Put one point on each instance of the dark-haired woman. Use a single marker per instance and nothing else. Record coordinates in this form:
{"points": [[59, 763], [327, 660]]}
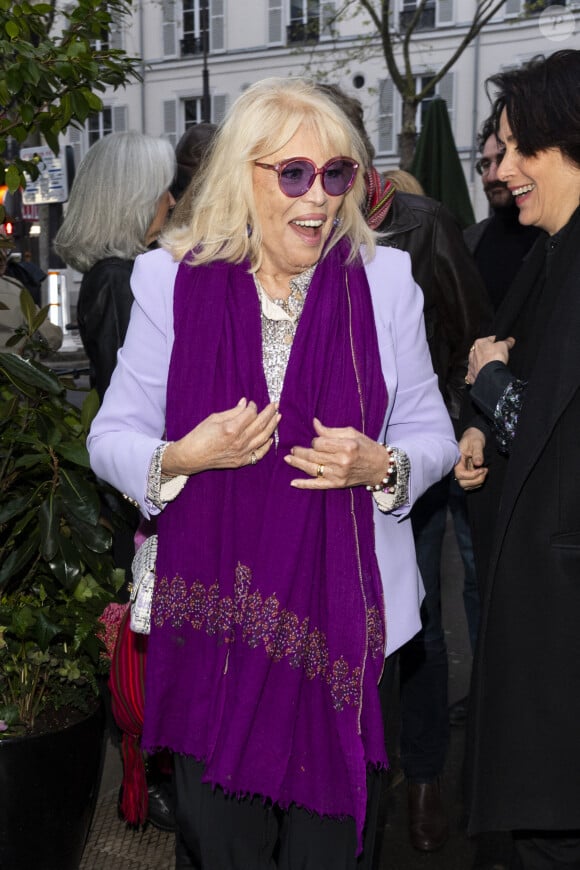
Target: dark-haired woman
{"points": [[520, 454]]}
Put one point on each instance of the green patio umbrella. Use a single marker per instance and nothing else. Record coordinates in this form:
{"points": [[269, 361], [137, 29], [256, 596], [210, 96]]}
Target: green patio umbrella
{"points": [[437, 166]]}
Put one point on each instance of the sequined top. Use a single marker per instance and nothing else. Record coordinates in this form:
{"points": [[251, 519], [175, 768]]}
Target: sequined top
{"points": [[280, 318]]}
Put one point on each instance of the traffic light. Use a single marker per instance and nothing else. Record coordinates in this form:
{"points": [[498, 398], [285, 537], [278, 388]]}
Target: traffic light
{"points": [[8, 228]]}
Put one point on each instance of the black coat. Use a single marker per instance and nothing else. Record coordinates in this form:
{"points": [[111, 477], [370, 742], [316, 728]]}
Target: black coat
{"points": [[523, 740], [456, 301], [103, 312]]}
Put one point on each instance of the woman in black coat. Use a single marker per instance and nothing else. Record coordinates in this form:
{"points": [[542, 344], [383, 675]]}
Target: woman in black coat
{"points": [[521, 455]]}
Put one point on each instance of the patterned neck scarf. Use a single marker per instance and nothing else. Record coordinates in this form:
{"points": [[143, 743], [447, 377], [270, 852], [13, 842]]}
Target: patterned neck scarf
{"points": [[379, 198]]}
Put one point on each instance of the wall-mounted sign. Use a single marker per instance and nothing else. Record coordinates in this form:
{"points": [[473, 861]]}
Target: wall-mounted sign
{"points": [[52, 183]]}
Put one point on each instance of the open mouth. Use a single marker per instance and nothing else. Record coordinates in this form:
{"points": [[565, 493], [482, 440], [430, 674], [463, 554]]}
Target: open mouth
{"points": [[520, 191], [310, 228]]}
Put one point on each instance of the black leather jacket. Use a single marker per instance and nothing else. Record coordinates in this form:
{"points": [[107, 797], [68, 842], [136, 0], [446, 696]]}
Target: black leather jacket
{"points": [[103, 312], [456, 302]]}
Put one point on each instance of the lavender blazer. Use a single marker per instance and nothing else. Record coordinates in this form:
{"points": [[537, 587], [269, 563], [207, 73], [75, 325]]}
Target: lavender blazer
{"points": [[131, 421]]}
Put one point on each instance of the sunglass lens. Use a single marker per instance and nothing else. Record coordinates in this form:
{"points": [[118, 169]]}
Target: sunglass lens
{"points": [[339, 176], [296, 177]]}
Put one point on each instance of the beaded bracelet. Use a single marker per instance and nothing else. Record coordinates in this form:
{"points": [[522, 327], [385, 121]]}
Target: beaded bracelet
{"points": [[389, 481]]}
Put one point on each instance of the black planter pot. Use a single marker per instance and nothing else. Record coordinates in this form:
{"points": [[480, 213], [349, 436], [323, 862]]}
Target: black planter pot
{"points": [[48, 790]]}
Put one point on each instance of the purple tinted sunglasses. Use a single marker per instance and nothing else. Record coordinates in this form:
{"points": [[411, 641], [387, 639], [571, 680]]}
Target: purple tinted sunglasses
{"points": [[297, 174]]}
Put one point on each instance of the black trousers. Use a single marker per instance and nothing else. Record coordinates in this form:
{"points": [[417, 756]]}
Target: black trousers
{"points": [[546, 850], [221, 832]]}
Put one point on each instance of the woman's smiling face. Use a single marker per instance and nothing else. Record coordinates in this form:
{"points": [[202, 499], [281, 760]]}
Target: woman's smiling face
{"points": [[294, 230], [545, 187]]}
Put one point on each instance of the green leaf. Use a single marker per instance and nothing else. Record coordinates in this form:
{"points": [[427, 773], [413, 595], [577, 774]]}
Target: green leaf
{"points": [[26, 301], [89, 409], [48, 521], [12, 29], [12, 178], [79, 497], [25, 374], [19, 558], [46, 630], [66, 565], [96, 538], [74, 452], [14, 507]]}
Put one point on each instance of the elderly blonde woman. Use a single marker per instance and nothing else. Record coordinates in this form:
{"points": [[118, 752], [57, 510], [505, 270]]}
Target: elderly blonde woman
{"points": [[274, 403]]}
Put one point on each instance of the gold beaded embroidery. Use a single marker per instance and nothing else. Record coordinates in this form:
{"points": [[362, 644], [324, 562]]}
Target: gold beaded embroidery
{"points": [[257, 621]]}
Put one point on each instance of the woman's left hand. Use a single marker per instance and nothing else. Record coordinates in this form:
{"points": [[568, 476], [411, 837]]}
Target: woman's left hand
{"points": [[484, 351], [338, 458]]}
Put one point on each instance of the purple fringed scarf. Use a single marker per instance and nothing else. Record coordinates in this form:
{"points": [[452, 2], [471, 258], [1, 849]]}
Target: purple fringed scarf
{"points": [[267, 640]]}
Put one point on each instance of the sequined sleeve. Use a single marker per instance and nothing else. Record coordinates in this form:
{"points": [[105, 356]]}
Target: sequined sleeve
{"points": [[507, 413], [390, 501], [499, 395], [161, 488]]}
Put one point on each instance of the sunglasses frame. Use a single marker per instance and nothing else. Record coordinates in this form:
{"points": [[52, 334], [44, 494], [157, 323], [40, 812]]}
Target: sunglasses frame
{"points": [[279, 168]]}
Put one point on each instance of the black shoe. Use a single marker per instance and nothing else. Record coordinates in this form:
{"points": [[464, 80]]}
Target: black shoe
{"points": [[458, 711], [160, 812], [428, 826]]}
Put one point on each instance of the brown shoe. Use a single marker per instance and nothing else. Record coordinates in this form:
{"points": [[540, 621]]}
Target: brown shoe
{"points": [[428, 827]]}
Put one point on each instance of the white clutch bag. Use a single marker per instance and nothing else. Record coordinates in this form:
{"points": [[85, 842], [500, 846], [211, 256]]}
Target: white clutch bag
{"points": [[143, 570]]}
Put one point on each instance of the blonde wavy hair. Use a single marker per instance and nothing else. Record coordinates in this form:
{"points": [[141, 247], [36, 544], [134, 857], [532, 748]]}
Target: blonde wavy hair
{"points": [[223, 222]]}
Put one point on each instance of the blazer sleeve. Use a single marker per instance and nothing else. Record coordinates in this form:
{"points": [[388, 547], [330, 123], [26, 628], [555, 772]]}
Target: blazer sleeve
{"points": [[417, 420], [131, 421]]}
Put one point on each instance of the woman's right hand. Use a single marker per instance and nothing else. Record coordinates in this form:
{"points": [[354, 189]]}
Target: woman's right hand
{"points": [[229, 439], [470, 471]]}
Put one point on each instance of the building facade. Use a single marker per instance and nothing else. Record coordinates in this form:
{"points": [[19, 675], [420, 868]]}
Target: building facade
{"points": [[199, 55]]}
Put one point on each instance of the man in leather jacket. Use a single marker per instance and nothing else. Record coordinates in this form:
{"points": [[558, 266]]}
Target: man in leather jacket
{"points": [[456, 305]]}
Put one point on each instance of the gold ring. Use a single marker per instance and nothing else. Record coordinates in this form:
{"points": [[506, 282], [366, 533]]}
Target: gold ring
{"points": [[320, 471], [253, 457], [466, 379], [472, 348]]}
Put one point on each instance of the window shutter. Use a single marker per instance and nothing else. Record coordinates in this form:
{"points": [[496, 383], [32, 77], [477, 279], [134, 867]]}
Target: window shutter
{"points": [[75, 138], [218, 108], [445, 12], [275, 22], [170, 121], [116, 33], [169, 29], [217, 28], [446, 90], [119, 119], [327, 15], [512, 7], [386, 116]]}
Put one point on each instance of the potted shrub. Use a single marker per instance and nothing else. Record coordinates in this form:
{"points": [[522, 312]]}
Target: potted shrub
{"points": [[56, 578]]}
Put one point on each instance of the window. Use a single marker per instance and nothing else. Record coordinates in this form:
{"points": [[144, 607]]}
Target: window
{"points": [[112, 119], [310, 20], [200, 24], [195, 26], [444, 89], [426, 18], [387, 116], [179, 115], [111, 37]]}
